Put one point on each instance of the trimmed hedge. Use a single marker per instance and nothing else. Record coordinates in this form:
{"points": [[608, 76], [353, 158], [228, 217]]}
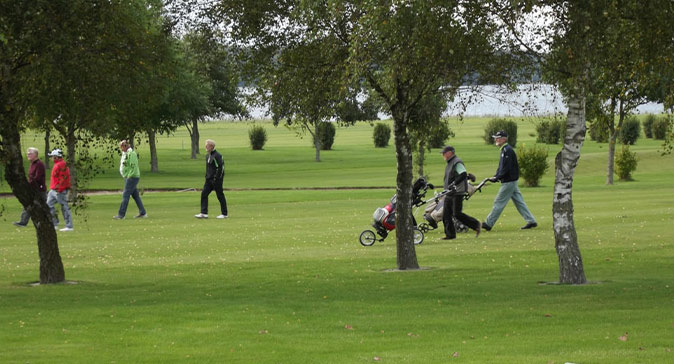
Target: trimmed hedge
{"points": [[533, 163], [630, 130], [551, 132], [625, 163], [326, 135], [381, 135], [495, 125], [258, 137]]}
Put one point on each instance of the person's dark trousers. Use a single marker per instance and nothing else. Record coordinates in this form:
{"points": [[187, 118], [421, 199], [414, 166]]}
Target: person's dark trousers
{"points": [[209, 186], [454, 207]]}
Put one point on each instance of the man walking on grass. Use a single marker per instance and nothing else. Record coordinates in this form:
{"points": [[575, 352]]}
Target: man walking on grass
{"points": [[36, 179], [215, 173], [456, 178], [508, 173], [59, 184], [128, 168]]}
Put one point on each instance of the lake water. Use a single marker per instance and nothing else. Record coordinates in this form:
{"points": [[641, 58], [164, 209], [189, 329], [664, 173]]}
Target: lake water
{"points": [[492, 101]]}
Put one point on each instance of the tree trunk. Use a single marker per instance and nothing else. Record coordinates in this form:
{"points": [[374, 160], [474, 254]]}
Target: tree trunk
{"points": [[613, 137], [51, 266], [317, 142], [194, 138], [566, 240], [71, 147], [406, 254], [47, 148], [152, 137], [422, 158]]}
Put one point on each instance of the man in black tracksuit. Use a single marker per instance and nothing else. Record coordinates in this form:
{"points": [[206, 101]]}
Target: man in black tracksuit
{"points": [[215, 172], [456, 178]]}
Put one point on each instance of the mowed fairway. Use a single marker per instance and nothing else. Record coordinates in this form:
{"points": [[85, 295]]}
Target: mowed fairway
{"points": [[284, 279]]}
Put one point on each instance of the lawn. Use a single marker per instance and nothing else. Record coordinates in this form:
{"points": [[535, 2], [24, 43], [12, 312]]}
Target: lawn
{"points": [[284, 279]]}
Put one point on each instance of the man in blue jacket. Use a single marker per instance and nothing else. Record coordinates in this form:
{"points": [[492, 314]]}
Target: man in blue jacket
{"points": [[215, 173], [508, 173]]}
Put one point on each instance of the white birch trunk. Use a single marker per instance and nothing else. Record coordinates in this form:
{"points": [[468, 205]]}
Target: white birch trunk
{"points": [[566, 240]]}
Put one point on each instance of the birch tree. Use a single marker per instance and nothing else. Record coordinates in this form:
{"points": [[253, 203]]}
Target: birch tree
{"points": [[403, 50]]}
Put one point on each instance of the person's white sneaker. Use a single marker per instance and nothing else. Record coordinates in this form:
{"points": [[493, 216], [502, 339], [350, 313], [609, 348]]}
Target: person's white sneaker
{"points": [[201, 216], [66, 229], [222, 216]]}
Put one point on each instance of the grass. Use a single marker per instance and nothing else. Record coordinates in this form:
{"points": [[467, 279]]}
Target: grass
{"points": [[284, 280]]}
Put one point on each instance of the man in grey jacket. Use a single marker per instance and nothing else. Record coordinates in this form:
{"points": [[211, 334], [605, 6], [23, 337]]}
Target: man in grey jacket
{"points": [[456, 178]]}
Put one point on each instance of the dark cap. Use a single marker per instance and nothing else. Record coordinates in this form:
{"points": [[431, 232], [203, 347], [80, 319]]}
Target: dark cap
{"points": [[500, 134], [448, 148]]}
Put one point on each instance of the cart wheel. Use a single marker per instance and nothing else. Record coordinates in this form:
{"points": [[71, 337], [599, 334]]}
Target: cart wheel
{"points": [[418, 236], [424, 227], [367, 237]]}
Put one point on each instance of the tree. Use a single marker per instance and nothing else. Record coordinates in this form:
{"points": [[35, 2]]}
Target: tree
{"points": [[70, 64], [402, 50], [428, 127], [213, 77]]}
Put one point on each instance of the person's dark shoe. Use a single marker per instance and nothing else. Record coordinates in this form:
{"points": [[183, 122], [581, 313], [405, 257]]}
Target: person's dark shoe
{"points": [[486, 227], [431, 222], [18, 224], [478, 231], [529, 226], [448, 238]]}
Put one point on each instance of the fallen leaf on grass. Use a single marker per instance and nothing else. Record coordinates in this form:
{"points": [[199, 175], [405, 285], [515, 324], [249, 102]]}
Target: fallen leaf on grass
{"points": [[623, 338], [263, 332], [348, 327], [455, 354], [376, 358], [548, 315]]}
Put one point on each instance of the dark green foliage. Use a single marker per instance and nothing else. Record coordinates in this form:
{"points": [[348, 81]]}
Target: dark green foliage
{"points": [[551, 132], [495, 125], [660, 127], [381, 135], [440, 132], [625, 163], [630, 130], [648, 125], [533, 164], [258, 137], [351, 110], [599, 130], [326, 135]]}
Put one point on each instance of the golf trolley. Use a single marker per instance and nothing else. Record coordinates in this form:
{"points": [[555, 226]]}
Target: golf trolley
{"points": [[385, 217], [433, 213]]}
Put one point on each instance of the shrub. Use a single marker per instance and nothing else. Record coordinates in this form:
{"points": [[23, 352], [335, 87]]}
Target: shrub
{"points": [[630, 130], [660, 127], [439, 134], [495, 125], [599, 130], [381, 135], [533, 163], [648, 125], [625, 163], [551, 132], [258, 137], [326, 135]]}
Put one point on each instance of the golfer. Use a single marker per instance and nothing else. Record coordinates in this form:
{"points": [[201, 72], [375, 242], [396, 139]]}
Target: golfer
{"points": [[508, 173]]}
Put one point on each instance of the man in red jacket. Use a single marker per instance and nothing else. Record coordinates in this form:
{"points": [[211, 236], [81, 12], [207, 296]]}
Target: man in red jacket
{"points": [[36, 176], [59, 185]]}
